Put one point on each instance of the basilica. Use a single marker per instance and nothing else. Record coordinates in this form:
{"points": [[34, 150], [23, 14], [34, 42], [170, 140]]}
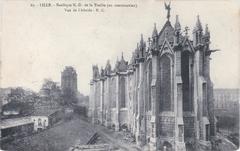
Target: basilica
{"points": [[164, 95]]}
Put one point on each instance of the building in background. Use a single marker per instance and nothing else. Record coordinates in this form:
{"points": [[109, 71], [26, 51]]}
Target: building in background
{"points": [[69, 86], [164, 96], [227, 113], [226, 100], [69, 80]]}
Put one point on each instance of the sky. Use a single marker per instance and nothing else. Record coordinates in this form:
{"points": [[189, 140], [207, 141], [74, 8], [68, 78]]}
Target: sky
{"points": [[37, 43]]}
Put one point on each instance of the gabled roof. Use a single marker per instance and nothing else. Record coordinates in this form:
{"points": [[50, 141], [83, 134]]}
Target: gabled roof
{"points": [[167, 32], [187, 44], [164, 46]]}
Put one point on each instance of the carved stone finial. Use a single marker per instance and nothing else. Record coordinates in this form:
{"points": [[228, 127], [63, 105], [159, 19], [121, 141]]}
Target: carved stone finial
{"points": [[207, 30], [177, 24], [154, 33], [149, 41], [186, 30], [198, 24]]}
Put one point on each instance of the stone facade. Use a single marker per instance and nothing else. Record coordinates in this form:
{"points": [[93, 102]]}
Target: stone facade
{"points": [[69, 80], [164, 96]]}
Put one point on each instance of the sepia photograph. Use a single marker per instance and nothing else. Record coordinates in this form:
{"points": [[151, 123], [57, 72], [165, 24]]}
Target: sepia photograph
{"points": [[119, 75]]}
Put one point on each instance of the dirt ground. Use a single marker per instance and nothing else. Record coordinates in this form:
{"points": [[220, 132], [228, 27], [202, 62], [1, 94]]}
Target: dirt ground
{"points": [[58, 138], [76, 131]]}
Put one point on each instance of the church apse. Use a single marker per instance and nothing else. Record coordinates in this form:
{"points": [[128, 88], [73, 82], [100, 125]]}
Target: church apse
{"points": [[163, 96]]}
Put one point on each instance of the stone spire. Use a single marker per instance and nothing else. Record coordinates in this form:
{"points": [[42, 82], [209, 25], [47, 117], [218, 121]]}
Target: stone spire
{"points": [[108, 68], [177, 24], [197, 33], [206, 36], [95, 71], [116, 65], [122, 58], [155, 32], [141, 40], [177, 31], [102, 74], [137, 51], [122, 65], [198, 26], [142, 47], [207, 33]]}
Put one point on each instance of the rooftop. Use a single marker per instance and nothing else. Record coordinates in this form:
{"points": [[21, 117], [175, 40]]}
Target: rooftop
{"points": [[45, 112], [8, 123]]}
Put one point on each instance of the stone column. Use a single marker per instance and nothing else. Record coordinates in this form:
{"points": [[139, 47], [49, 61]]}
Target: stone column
{"points": [[141, 111], [117, 103], [137, 122], [178, 103], [107, 102], [101, 100], [90, 107], [127, 99], [135, 102], [210, 98], [197, 102], [94, 103], [153, 138], [178, 85]]}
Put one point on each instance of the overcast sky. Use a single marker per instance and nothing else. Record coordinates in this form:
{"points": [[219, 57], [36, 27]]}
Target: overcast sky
{"points": [[38, 43]]}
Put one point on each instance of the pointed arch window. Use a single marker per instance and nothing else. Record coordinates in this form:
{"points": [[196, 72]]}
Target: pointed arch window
{"points": [[122, 92], [148, 86], [197, 40], [204, 97], [186, 79], [165, 83], [113, 92]]}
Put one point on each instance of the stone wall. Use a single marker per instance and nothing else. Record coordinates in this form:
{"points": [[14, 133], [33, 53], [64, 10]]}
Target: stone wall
{"points": [[164, 95]]}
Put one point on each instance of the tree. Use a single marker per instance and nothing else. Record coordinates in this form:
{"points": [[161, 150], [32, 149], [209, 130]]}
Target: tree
{"points": [[51, 92], [20, 100], [69, 97], [16, 95]]}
